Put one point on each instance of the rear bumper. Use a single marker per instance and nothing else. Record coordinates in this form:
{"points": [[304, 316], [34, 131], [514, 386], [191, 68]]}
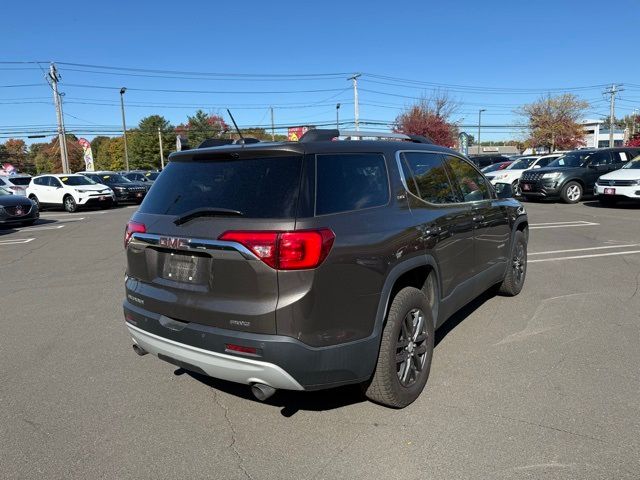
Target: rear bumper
{"points": [[281, 361], [219, 365]]}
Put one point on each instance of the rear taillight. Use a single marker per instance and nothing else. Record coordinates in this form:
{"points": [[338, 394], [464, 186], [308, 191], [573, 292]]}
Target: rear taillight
{"points": [[132, 227], [295, 250]]}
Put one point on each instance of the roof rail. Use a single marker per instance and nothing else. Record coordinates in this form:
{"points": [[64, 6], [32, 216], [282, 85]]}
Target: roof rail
{"points": [[320, 134]]}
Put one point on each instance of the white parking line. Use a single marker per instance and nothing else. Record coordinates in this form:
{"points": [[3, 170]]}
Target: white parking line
{"points": [[46, 214], [16, 241], [560, 223], [563, 225], [576, 257], [584, 249], [44, 227], [75, 219]]}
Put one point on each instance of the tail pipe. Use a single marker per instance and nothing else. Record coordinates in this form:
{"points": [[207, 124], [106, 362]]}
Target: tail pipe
{"points": [[261, 391], [139, 350]]}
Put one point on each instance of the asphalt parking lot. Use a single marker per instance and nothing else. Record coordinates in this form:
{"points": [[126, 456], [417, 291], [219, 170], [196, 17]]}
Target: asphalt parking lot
{"points": [[543, 385]]}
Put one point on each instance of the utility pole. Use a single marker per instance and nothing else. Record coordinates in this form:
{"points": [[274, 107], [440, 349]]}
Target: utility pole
{"points": [[356, 109], [273, 128], [161, 150], [480, 126], [337, 116], [62, 138], [124, 130], [612, 110]]}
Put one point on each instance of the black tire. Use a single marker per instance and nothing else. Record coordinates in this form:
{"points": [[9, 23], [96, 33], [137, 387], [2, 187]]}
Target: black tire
{"points": [[35, 200], [517, 268], [406, 350], [607, 201], [572, 192], [69, 204], [515, 187]]}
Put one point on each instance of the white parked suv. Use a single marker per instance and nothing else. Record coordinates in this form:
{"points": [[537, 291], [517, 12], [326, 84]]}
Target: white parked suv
{"points": [[620, 184], [69, 191], [16, 184], [513, 172]]}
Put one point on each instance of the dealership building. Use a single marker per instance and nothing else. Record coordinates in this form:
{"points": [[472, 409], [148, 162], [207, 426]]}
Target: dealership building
{"points": [[597, 134]]}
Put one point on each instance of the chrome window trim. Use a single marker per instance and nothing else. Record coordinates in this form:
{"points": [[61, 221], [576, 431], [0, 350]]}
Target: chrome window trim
{"points": [[193, 244]]}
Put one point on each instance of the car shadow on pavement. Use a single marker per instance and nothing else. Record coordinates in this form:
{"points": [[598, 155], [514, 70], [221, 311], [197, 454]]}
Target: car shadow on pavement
{"points": [[620, 205], [458, 317], [290, 402]]}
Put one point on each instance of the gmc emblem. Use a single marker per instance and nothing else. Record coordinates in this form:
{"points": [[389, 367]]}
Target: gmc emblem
{"points": [[173, 242]]}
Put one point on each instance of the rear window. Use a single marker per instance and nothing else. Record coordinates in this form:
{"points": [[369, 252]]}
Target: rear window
{"points": [[259, 187], [20, 180], [347, 182]]}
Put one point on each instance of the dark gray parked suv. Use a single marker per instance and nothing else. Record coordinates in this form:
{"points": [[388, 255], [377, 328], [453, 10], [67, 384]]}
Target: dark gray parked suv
{"points": [[314, 264]]}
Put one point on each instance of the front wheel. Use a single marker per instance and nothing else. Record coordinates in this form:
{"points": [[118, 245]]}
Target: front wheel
{"points": [[517, 269], [35, 200], [571, 192], [69, 204], [406, 350], [515, 187]]}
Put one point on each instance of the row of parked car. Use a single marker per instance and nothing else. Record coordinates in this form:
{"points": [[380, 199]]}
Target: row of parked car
{"points": [[610, 174], [22, 196]]}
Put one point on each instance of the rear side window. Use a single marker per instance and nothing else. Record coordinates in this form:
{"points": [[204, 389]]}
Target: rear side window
{"points": [[427, 178], [258, 187], [470, 182], [346, 182], [20, 180]]}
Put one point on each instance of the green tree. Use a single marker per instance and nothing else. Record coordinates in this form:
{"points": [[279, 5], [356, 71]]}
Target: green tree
{"points": [[98, 144], [113, 158], [144, 147], [202, 126]]}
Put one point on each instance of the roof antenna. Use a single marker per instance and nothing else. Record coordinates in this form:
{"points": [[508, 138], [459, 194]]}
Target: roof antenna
{"points": [[235, 125]]}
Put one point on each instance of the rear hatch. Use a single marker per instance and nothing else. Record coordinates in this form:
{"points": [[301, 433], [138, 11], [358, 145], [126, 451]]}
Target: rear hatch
{"points": [[19, 184], [178, 267]]}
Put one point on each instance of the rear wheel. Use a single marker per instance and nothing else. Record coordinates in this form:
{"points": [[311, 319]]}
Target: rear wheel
{"points": [[571, 192], [69, 204], [517, 269], [406, 350]]}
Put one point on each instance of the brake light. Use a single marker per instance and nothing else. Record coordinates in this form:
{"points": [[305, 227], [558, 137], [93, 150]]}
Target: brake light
{"points": [[132, 227], [241, 349], [297, 250]]}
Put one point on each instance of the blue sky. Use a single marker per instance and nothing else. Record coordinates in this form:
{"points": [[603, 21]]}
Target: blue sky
{"points": [[510, 52]]}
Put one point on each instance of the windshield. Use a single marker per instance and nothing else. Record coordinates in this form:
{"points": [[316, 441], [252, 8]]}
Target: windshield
{"points": [[77, 180], [572, 159], [522, 164], [634, 163], [20, 180], [113, 178], [493, 168]]}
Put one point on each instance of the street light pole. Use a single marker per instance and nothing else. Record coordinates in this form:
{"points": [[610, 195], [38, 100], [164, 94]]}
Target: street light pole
{"points": [[337, 116], [480, 126], [124, 130]]}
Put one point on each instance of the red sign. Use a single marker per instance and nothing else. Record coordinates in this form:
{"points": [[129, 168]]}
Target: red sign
{"points": [[295, 133]]}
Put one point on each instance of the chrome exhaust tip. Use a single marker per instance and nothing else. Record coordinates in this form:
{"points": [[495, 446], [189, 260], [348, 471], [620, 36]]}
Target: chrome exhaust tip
{"points": [[261, 391], [139, 350]]}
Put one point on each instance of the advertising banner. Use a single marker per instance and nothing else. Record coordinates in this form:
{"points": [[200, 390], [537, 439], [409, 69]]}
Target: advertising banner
{"points": [[295, 133], [87, 153]]}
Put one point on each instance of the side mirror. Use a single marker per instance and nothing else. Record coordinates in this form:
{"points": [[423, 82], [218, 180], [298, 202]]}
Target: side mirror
{"points": [[503, 190]]}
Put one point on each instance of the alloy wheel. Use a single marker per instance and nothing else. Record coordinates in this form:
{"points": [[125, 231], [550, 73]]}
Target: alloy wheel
{"points": [[573, 193], [519, 263], [411, 348]]}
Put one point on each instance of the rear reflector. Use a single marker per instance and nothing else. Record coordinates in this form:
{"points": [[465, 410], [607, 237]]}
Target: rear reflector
{"points": [[241, 349], [131, 228], [296, 250]]}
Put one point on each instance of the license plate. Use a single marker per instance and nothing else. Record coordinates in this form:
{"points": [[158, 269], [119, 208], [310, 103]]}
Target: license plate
{"points": [[181, 268], [526, 186], [609, 191]]}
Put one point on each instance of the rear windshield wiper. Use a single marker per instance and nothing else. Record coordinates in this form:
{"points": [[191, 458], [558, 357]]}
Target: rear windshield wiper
{"points": [[207, 212]]}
